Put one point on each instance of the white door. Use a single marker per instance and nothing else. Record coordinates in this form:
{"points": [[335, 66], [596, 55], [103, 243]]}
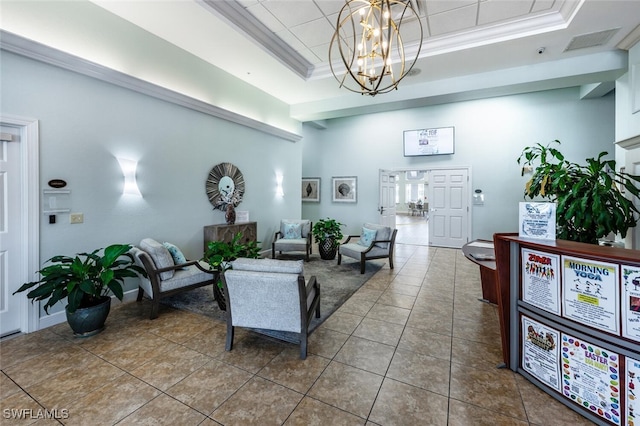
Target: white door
{"points": [[10, 225], [449, 207], [18, 222], [387, 207]]}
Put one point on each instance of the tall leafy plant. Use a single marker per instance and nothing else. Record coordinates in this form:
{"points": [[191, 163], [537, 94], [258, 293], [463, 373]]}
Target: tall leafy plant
{"points": [[85, 278], [590, 204]]}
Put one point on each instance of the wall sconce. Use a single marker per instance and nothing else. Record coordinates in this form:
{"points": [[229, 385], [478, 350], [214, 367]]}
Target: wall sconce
{"points": [[129, 171], [279, 190]]}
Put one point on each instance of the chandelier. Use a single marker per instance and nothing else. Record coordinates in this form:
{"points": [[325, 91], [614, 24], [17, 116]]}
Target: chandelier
{"points": [[369, 41]]}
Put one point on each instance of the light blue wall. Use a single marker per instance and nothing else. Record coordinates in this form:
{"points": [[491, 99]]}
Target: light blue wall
{"points": [[628, 122], [489, 135], [86, 123]]}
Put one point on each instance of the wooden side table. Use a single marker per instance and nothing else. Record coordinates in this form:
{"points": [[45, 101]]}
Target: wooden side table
{"points": [[224, 232]]}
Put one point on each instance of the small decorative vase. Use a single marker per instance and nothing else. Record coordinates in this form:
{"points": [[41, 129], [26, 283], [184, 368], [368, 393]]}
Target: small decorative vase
{"points": [[230, 215]]}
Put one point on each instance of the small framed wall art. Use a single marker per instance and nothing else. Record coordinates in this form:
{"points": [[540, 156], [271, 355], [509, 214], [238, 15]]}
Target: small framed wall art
{"points": [[344, 189], [311, 189]]}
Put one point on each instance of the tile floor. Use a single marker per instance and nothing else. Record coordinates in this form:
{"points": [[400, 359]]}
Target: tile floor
{"points": [[413, 346]]}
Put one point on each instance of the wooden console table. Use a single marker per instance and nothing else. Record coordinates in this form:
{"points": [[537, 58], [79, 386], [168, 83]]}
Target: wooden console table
{"points": [[482, 254], [224, 232]]}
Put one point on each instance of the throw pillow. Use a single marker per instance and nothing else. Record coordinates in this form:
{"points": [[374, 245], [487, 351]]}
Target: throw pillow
{"points": [[176, 254], [292, 231], [367, 237], [160, 256]]}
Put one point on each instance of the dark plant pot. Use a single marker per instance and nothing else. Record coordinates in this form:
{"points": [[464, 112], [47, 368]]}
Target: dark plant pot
{"points": [[88, 321], [328, 248]]}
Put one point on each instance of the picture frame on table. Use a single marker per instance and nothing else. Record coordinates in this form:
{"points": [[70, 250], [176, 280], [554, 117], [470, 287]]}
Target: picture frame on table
{"points": [[311, 189], [344, 189]]}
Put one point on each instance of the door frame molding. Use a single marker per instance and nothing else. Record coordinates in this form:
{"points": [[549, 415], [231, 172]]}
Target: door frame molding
{"points": [[30, 208]]}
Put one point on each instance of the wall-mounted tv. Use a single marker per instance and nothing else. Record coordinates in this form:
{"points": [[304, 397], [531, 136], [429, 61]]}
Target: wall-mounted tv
{"points": [[421, 142]]}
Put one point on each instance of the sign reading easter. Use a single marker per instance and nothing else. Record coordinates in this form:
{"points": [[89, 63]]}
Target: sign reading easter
{"points": [[631, 302], [541, 280], [540, 352], [591, 293], [591, 378]]}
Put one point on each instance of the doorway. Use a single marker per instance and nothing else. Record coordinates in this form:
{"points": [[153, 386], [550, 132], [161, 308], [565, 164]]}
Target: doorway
{"points": [[443, 218], [19, 227]]}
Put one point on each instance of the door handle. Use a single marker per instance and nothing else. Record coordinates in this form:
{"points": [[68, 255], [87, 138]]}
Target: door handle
{"points": [[381, 209]]}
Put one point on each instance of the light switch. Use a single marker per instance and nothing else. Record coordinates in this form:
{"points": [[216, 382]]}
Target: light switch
{"points": [[76, 218]]}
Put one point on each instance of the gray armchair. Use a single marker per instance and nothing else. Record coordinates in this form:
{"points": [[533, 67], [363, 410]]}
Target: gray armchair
{"points": [[166, 276], [294, 235], [270, 294], [375, 242]]}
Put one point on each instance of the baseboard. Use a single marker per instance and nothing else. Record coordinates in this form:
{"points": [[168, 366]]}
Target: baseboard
{"points": [[60, 317]]}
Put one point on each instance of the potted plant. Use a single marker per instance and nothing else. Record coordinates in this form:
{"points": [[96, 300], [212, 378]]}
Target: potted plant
{"points": [[328, 235], [85, 281], [590, 203], [219, 255]]}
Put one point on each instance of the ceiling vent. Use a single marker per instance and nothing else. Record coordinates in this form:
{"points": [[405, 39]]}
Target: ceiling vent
{"points": [[583, 41]]}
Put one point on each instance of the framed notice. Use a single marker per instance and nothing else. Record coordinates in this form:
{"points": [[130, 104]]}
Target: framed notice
{"points": [[588, 371], [540, 352], [630, 304], [591, 293], [537, 220], [541, 280]]}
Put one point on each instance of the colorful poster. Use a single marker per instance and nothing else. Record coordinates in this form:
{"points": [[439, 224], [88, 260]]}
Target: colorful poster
{"points": [[631, 302], [591, 293], [632, 395], [540, 352], [591, 377], [541, 280]]}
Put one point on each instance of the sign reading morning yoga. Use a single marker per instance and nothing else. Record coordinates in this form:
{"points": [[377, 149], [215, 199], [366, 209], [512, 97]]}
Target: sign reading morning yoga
{"points": [[591, 293]]}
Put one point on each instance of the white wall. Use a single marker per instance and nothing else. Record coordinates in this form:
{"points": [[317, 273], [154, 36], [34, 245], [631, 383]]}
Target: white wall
{"points": [[86, 123], [489, 135]]}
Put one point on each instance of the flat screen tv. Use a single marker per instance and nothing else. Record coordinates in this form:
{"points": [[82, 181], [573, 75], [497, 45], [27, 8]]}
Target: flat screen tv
{"points": [[425, 142]]}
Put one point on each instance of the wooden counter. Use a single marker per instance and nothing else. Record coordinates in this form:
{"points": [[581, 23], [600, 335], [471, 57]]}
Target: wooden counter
{"points": [[481, 252]]}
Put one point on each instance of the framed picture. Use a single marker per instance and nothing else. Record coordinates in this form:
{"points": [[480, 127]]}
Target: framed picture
{"points": [[344, 189], [311, 189]]}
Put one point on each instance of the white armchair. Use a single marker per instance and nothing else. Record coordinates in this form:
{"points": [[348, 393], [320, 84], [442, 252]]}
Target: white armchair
{"points": [[375, 242], [270, 294], [294, 235]]}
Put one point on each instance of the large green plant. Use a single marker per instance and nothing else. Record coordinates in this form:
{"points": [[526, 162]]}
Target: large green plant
{"points": [[327, 228], [85, 278], [220, 253], [590, 204]]}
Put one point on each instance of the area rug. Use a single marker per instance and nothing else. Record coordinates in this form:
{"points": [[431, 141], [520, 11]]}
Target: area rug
{"points": [[337, 284]]}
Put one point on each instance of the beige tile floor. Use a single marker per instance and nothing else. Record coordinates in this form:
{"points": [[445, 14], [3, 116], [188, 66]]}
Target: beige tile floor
{"points": [[413, 346]]}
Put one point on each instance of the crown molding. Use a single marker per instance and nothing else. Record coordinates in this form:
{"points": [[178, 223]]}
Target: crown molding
{"points": [[630, 39], [14, 43], [238, 17]]}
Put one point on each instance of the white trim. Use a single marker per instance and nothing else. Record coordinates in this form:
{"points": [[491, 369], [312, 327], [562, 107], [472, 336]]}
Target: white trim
{"points": [[30, 205], [39, 52]]}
